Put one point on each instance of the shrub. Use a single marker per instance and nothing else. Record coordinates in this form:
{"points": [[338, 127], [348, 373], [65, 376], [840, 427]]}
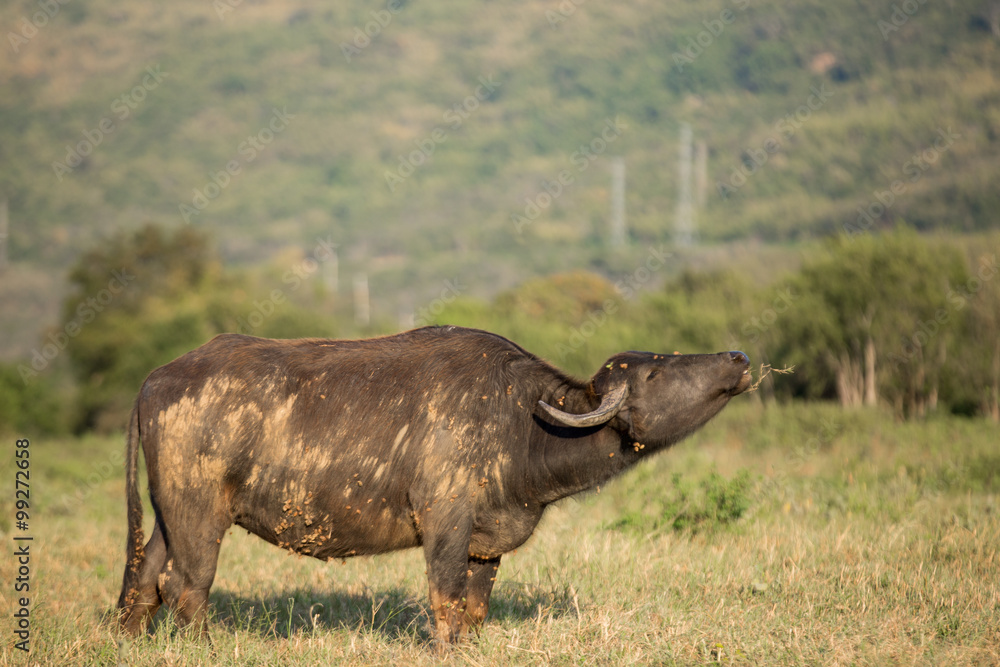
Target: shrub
{"points": [[709, 504]]}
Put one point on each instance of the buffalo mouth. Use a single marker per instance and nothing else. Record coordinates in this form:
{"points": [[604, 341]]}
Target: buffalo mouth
{"points": [[742, 384], [742, 362]]}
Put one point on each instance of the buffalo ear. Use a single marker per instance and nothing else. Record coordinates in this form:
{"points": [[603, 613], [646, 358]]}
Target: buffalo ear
{"points": [[611, 403]]}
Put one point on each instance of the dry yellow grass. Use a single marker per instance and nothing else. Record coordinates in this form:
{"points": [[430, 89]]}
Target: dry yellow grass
{"points": [[863, 545]]}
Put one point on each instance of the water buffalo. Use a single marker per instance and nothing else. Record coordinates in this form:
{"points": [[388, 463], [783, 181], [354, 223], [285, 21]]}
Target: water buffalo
{"points": [[450, 439]]}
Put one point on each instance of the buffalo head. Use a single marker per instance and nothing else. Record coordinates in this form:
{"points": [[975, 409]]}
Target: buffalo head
{"points": [[658, 399]]}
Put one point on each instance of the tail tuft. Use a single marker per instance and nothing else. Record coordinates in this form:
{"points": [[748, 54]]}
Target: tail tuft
{"points": [[134, 550]]}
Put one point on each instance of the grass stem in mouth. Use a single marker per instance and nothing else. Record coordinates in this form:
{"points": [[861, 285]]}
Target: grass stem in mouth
{"points": [[765, 370]]}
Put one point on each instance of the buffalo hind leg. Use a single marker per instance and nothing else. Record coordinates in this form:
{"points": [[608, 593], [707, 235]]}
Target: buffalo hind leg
{"points": [[139, 604], [482, 574], [187, 576]]}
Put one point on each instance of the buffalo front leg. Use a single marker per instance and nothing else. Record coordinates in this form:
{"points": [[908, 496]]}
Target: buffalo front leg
{"points": [[482, 574], [447, 555]]}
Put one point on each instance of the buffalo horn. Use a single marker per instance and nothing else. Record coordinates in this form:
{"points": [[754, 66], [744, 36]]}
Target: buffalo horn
{"points": [[611, 403]]}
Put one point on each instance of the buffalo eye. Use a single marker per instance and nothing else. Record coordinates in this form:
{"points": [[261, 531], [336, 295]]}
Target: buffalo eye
{"points": [[652, 374]]}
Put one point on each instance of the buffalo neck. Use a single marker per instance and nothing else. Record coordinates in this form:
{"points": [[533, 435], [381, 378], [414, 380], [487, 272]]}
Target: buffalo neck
{"points": [[571, 460]]}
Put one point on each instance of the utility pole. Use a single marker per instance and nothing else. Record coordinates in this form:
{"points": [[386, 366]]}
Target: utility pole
{"points": [[4, 235], [684, 220], [407, 319], [700, 175], [331, 271], [618, 202], [362, 306]]}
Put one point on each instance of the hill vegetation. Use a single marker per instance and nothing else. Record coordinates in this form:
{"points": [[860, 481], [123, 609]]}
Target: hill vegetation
{"points": [[264, 167], [415, 135]]}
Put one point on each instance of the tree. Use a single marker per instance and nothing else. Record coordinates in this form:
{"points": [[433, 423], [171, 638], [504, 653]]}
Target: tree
{"points": [[975, 373], [885, 313], [135, 303], [30, 408]]}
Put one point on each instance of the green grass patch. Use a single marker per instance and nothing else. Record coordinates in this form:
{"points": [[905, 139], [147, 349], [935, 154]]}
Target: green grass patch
{"points": [[712, 502]]}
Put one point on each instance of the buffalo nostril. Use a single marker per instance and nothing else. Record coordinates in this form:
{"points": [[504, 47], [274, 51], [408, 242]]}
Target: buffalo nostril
{"points": [[739, 357]]}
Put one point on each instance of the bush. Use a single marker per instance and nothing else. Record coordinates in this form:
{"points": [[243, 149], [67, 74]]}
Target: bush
{"points": [[709, 504], [32, 407]]}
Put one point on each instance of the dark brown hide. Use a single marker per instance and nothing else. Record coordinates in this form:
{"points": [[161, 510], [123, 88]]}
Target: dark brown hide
{"points": [[434, 438]]}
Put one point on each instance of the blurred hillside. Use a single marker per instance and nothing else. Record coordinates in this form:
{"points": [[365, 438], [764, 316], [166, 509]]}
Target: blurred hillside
{"points": [[894, 319], [472, 140]]}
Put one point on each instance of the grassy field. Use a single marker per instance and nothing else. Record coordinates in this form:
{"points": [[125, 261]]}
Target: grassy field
{"points": [[808, 536]]}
